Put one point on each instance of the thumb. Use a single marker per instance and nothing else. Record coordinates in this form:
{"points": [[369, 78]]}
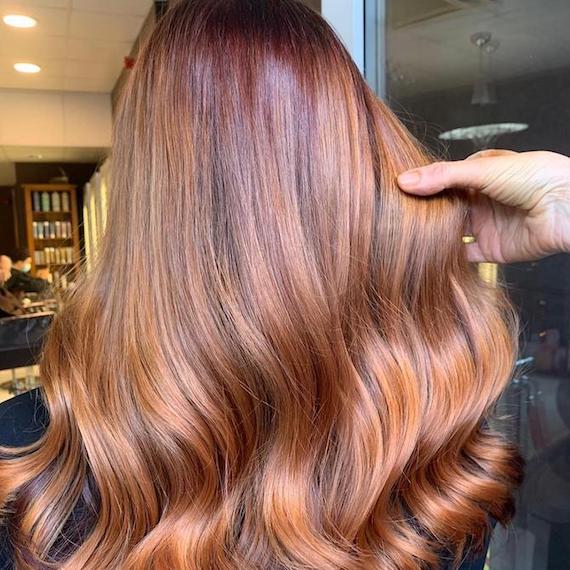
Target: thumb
{"points": [[438, 176], [498, 177]]}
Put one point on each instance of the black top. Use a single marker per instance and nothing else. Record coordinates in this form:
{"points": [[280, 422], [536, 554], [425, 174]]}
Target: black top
{"points": [[22, 281], [24, 418]]}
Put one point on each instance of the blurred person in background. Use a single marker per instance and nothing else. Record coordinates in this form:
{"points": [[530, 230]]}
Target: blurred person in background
{"points": [[10, 306], [20, 280], [5, 268]]}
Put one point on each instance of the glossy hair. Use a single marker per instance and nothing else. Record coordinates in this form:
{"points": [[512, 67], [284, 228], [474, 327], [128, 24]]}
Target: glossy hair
{"points": [[280, 360]]}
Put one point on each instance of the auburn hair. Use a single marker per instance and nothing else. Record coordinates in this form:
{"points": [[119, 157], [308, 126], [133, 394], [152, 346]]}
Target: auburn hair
{"points": [[279, 360]]}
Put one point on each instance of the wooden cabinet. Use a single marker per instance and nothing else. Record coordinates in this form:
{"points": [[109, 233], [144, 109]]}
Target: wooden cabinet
{"points": [[52, 228]]}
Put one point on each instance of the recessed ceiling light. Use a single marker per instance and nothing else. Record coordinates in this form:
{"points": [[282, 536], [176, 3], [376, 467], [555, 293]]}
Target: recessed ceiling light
{"points": [[19, 21], [27, 67]]}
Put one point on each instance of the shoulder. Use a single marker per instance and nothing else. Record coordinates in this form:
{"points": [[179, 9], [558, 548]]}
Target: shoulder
{"points": [[23, 419]]}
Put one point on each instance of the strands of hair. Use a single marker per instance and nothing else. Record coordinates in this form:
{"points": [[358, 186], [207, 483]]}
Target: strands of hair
{"points": [[294, 369]]}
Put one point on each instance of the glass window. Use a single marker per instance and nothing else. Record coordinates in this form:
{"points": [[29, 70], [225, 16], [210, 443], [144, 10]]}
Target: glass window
{"points": [[465, 75]]}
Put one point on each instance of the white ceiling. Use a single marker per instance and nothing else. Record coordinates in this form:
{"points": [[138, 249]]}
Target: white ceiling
{"points": [[436, 53], [80, 44]]}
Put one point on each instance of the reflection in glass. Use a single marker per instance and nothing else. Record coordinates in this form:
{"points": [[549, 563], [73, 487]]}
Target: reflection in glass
{"points": [[447, 78]]}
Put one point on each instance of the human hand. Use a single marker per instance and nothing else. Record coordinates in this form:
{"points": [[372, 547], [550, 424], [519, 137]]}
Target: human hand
{"points": [[520, 202]]}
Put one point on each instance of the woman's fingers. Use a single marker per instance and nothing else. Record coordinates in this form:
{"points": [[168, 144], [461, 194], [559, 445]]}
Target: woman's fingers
{"points": [[474, 253], [527, 194], [516, 179], [438, 176], [466, 173], [498, 174]]}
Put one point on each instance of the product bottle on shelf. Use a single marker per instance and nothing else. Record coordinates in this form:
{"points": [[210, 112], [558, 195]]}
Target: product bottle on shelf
{"points": [[55, 202], [36, 202], [65, 201], [45, 202]]}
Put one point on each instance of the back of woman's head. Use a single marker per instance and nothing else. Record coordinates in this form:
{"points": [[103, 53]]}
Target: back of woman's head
{"points": [[280, 360]]}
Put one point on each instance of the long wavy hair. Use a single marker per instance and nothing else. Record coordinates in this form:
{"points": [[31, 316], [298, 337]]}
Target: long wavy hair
{"points": [[279, 360]]}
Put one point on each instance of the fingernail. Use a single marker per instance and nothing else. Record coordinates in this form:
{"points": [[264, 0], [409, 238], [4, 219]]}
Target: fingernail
{"points": [[409, 179]]}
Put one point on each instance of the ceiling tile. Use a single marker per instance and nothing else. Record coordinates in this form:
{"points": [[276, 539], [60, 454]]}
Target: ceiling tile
{"points": [[37, 3], [132, 7], [50, 68], [91, 25], [98, 50], [24, 47], [92, 84], [51, 21], [93, 69], [13, 80]]}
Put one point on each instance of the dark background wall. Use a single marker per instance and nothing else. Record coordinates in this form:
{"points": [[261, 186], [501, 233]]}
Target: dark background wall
{"points": [[7, 222]]}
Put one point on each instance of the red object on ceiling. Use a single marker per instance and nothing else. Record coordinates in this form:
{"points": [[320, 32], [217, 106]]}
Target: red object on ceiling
{"points": [[129, 62]]}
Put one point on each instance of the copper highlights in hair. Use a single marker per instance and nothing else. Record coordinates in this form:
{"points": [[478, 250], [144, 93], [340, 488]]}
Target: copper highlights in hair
{"points": [[280, 360]]}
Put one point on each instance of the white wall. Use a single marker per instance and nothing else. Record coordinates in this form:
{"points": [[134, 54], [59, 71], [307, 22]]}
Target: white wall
{"points": [[347, 18], [54, 119]]}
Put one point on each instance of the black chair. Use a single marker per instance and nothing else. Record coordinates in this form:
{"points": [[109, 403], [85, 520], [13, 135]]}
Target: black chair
{"points": [[21, 343]]}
